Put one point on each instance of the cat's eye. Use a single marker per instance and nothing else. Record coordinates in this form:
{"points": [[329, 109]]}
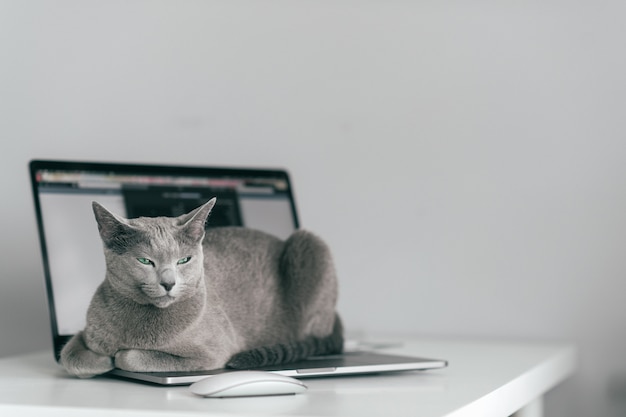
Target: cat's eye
{"points": [[184, 260], [145, 261]]}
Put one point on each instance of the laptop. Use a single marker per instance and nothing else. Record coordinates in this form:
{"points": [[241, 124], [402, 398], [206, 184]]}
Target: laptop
{"points": [[73, 259]]}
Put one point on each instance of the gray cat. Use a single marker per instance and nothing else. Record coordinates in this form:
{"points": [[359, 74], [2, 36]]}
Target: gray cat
{"points": [[178, 298]]}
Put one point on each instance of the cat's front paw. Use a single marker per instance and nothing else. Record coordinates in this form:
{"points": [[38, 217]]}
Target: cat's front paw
{"points": [[137, 360], [131, 360], [80, 361]]}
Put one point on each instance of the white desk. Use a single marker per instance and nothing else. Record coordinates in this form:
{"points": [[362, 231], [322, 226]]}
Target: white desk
{"points": [[483, 379]]}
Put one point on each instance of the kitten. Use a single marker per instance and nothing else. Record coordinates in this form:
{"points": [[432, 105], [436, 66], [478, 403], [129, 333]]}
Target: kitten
{"points": [[178, 298]]}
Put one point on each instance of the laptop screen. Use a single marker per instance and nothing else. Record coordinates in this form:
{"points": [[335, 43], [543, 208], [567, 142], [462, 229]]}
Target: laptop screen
{"points": [[72, 251]]}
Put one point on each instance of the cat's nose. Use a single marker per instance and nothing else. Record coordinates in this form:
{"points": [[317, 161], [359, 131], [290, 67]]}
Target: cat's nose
{"points": [[168, 280]]}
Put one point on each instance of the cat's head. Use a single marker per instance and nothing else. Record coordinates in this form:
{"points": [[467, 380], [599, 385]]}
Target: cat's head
{"points": [[154, 260]]}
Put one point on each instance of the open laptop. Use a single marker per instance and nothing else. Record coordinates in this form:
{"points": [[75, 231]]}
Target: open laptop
{"points": [[73, 258]]}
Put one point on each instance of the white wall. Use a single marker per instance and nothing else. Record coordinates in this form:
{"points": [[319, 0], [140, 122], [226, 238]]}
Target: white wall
{"points": [[465, 160]]}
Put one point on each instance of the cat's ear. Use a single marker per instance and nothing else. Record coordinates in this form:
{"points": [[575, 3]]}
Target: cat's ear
{"points": [[193, 223], [116, 234]]}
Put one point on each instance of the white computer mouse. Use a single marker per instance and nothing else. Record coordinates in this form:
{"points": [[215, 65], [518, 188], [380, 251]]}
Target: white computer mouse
{"points": [[247, 384]]}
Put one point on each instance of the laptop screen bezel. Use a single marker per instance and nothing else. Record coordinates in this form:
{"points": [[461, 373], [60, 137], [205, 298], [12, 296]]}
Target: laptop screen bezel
{"points": [[38, 165]]}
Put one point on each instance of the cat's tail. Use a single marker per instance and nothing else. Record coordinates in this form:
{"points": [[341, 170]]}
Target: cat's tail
{"points": [[290, 352]]}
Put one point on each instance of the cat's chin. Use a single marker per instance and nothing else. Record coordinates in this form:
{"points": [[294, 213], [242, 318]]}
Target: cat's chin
{"points": [[163, 302]]}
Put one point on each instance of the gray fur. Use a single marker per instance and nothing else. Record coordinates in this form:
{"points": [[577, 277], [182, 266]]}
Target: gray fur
{"points": [[245, 298]]}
